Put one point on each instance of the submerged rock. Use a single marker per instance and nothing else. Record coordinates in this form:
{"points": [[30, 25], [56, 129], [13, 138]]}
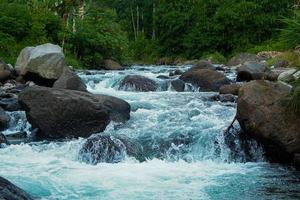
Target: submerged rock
{"points": [[206, 79], [9, 191], [60, 113], [262, 113], [42, 64], [109, 149], [138, 83], [70, 80]]}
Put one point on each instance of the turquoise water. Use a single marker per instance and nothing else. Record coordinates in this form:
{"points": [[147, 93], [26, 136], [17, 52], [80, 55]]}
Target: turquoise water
{"points": [[201, 169]]}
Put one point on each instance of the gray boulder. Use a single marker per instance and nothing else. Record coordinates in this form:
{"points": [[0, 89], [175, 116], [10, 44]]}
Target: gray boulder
{"points": [[61, 113], [262, 113], [9, 191], [41, 63], [112, 65], [70, 80], [138, 83], [206, 79], [242, 58], [6, 71], [251, 71]]}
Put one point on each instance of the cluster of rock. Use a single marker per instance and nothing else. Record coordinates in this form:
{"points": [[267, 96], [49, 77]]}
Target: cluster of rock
{"points": [[262, 106], [55, 99], [56, 102]]}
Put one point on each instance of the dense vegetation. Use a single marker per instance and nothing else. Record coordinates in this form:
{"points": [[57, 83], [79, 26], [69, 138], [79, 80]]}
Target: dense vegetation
{"points": [[143, 31]]}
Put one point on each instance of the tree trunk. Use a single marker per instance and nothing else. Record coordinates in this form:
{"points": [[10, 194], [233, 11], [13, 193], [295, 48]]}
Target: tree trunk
{"points": [[133, 23]]}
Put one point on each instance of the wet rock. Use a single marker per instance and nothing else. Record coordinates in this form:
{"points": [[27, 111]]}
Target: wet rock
{"points": [[177, 72], [203, 64], [297, 161], [9, 191], [138, 83], [251, 71], [109, 149], [3, 140], [42, 64], [10, 104], [163, 77], [17, 138], [178, 85], [5, 71], [206, 79], [242, 58], [60, 113], [70, 80], [4, 120], [263, 115], [224, 98], [230, 89], [112, 65]]}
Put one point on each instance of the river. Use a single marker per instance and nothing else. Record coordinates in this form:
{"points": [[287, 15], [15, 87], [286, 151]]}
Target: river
{"points": [[202, 168]]}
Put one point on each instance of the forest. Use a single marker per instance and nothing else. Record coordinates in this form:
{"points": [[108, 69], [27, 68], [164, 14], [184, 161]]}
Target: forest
{"points": [[145, 31]]}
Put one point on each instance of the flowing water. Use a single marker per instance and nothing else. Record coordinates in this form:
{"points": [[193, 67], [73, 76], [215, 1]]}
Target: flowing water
{"points": [[201, 167]]}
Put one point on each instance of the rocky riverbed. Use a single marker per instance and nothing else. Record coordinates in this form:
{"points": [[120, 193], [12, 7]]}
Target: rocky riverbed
{"points": [[198, 131]]}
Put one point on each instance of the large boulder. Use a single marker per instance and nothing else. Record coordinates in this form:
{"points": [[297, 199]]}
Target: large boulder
{"points": [[70, 80], [138, 83], [242, 58], [9, 191], [4, 119], [109, 149], [206, 79], [112, 65], [42, 64], [251, 71], [61, 113], [262, 113], [6, 71]]}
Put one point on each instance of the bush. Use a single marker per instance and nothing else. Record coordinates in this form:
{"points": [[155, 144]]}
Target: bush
{"points": [[290, 35], [215, 57], [144, 50]]}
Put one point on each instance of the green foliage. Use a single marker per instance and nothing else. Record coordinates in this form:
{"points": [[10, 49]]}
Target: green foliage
{"points": [[146, 30], [144, 50], [215, 57], [290, 34], [292, 57], [98, 37], [294, 102]]}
